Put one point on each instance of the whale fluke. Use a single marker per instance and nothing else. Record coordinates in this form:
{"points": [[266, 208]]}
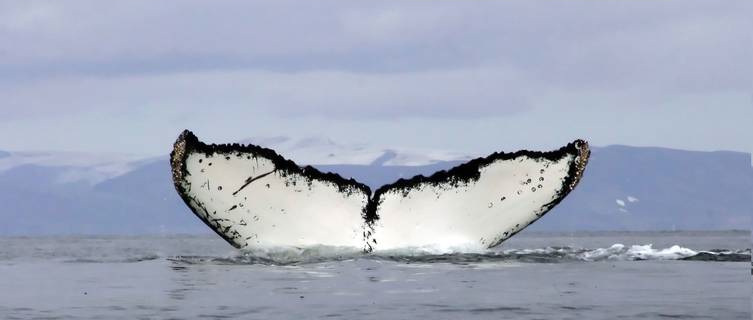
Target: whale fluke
{"points": [[254, 198]]}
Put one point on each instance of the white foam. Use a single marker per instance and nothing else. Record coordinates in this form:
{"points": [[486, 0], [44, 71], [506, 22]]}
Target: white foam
{"points": [[434, 249], [637, 252], [479, 256]]}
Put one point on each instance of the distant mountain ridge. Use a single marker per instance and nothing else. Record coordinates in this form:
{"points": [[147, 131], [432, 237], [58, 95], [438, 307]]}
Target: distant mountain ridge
{"points": [[325, 151], [73, 166], [624, 188]]}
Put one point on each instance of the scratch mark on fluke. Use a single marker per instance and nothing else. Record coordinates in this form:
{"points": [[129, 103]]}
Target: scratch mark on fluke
{"points": [[252, 179]]}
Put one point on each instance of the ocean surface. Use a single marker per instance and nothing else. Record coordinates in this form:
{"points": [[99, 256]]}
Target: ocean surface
{"points": [[596, 275]]}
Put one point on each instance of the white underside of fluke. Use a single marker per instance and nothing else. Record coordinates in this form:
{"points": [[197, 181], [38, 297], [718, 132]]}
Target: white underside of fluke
{"points": [[273, 210], [255, 199], [507, 197]]}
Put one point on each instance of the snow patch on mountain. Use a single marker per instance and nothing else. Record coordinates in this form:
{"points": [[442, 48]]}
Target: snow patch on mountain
{"points": [[93, 168], [325, 151], [73, 166]]}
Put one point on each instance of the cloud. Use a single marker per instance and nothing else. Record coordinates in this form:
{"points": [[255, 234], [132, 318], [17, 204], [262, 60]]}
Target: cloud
{"points": [[331, 94], [377, 60]]}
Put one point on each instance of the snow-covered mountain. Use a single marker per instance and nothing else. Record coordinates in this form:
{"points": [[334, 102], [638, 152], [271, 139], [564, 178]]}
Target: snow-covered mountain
{"points": [[72, 166], [624, 188], [93, 168], [325, 151]]}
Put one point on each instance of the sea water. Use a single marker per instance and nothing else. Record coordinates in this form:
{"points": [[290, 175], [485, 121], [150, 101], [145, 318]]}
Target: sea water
{"points": [[598, 275]]}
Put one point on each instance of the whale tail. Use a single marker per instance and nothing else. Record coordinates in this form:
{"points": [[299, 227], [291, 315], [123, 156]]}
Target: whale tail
{"points": [[254, 198]]}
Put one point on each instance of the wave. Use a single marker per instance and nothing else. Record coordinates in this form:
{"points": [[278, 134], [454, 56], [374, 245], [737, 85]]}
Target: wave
{"points": [[616, 252], [647, 252], [132, 259]]}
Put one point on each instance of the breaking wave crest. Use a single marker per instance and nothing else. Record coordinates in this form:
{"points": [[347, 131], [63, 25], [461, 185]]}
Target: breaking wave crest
{"points": [[616, 252]]}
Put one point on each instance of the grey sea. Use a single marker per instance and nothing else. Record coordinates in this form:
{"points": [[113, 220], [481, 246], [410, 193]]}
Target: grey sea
{"points": [[597, 275]]}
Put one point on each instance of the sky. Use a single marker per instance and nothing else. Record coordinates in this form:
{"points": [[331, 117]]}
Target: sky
{"points": [[467, 76]]}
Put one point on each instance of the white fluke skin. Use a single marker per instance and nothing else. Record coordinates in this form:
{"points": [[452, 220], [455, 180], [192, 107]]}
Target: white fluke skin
{"points": [[507, 197], [270, 211], [253, 204]]}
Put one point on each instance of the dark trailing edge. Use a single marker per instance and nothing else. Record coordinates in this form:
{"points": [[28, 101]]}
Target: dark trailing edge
{"points": [[469, 171], [188, 143]]}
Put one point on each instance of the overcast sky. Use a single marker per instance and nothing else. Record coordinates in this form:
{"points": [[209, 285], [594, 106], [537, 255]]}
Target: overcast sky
{"points": [[469, 76]]}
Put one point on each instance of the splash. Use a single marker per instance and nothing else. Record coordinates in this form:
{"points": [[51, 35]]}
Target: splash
{"points": [[616, 252]]}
